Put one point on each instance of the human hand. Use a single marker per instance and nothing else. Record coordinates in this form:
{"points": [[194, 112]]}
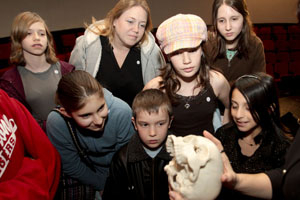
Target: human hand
{"points": [[228, 177], [155, 83], [175, 195]]}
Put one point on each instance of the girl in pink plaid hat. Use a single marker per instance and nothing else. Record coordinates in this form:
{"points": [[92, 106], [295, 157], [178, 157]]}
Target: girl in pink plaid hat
{"points": [[193, 87], [234, 47], [280, 183]]}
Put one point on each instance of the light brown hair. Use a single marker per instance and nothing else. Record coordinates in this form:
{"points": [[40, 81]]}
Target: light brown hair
{"points": [[74, 88], [151, 101], [19, 31]]}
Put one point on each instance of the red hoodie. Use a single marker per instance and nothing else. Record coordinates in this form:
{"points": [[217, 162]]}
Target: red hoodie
{"points": [[29, 164]]}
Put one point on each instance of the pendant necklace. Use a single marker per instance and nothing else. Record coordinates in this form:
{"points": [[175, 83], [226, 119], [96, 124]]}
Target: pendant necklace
{"points": [[250, 144], [187, 105]]}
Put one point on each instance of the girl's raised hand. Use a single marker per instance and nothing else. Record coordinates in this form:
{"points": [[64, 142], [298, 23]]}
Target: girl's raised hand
{"points": [[229, 177], [175, 196]]}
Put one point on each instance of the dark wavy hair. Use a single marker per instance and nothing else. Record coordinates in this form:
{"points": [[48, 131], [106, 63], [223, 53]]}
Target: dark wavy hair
{"points": [[219, 49], [171, 83]]}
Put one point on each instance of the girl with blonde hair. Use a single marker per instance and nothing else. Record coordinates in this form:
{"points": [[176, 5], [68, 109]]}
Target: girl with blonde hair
{"points": [[120, 51]]}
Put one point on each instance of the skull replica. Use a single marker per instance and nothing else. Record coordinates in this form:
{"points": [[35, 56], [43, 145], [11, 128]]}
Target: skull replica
{"points": [[196, 168]]}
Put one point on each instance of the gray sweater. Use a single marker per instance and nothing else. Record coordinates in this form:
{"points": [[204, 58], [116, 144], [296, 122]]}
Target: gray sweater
{"points": [[87, 52]]}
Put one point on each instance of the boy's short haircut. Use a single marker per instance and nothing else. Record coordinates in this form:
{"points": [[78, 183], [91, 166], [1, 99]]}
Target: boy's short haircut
{"points": [[151, 100]]}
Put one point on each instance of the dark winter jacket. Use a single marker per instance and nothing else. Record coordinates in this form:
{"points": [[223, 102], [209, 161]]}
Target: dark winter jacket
{"points": [[135, 175]]}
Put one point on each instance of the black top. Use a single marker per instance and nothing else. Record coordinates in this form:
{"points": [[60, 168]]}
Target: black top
{"points": [[286, 181], [194, 114], [269, 155], [134, 175], [124, 82]]}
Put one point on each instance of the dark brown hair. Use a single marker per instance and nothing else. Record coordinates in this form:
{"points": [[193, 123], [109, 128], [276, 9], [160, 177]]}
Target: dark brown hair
{"points": [[171, 83], [298, 11], [219, 49]]}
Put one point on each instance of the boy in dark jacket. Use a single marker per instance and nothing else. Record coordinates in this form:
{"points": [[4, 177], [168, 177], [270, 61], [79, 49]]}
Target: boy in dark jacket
{"points": [[137, 169]]}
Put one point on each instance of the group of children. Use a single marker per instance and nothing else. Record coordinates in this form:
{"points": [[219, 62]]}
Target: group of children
{"points": [[111, 115]]}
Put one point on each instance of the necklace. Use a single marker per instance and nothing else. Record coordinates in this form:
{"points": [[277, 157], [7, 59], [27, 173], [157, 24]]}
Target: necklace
{"points": [[187, 105], [250, 144]]}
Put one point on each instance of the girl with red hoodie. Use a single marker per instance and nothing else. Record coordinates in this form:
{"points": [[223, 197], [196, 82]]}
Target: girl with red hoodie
{"points": [[29, 164]]}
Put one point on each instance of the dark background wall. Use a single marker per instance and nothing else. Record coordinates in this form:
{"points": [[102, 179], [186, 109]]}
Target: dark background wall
{"points": [[66, 14]]}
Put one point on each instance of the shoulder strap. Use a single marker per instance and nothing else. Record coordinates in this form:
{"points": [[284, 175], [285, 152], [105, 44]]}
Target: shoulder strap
{"points": [[81, 151]]}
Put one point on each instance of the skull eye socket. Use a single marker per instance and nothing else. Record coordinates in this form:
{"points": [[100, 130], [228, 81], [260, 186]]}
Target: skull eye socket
{"points": [[197, 149], [174, 178]]}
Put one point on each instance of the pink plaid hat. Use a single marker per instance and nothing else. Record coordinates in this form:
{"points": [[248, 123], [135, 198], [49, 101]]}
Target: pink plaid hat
{"points": [[181, 31]]}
